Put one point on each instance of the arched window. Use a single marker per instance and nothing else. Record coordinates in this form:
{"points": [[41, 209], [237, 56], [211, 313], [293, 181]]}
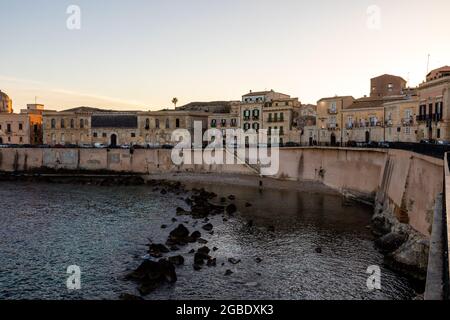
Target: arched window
{"points": [[147, 124], [53, 123], [177, 123], [81, 123], [157, 123], [72, 123], [167, 124], [63, 125]]}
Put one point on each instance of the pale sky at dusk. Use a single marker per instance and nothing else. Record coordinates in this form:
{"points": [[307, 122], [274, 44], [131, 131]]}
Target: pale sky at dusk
{"points": [[138, 54]]}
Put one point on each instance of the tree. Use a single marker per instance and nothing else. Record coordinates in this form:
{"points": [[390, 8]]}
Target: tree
{"points": [[175, 101]]}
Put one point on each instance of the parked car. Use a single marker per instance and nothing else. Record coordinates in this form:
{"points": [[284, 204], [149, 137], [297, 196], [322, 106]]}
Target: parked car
{"points": [[4, 146], [167, 146], [351, 144], [125, 146], [99, 145], [443, 143], [85, 145], [291, 144], [383, 144]]}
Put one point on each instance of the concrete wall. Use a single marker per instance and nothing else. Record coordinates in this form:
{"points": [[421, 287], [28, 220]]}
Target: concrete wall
{"points": [[404, 182]]}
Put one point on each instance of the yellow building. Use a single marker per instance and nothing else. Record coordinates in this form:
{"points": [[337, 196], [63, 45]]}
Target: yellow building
{"points": [[330, 119], [400, 122], [24, 128]]}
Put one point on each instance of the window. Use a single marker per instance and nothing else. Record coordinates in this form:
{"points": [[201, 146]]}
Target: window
{"points": [[8, 128], [333, 107], [281, 131], [95, 134], [213, 123], [438, 133], [63, 140], [157, 123], [20, 126], [233, 122], [147, 124], [81, 123], [104, 135], [63, 125], [246, 126], [167, 124], [133, 135], [53, 123], [270, 117], [408, 130], [390, 87], [224, 122], [255, 126], [20, 139], [72, 123], [281, 116], [177, 123]]}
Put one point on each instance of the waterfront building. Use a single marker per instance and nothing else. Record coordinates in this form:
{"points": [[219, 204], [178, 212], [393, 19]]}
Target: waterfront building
{"points": [[24, 128], [400, 120], [90, 126], [386, 85], [330, 119], [434, 105]]}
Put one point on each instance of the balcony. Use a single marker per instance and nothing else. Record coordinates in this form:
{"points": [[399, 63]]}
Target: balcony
{"points": [[332, 111]]}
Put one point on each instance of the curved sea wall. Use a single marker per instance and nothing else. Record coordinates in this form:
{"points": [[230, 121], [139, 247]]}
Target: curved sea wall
{"points": [[402, 186]]}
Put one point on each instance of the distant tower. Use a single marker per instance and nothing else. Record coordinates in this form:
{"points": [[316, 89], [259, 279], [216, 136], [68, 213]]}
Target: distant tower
{"points": [[5, 103]]}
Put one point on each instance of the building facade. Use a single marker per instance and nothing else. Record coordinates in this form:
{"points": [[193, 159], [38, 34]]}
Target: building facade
{"points": [[434, 106], [5, 103], [330, 119]]}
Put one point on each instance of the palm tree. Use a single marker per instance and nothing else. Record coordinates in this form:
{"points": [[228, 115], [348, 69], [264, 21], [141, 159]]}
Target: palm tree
{"points": [[175, 101]]}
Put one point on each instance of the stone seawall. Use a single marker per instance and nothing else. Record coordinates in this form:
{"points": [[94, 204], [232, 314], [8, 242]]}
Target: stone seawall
{"points": [[401, 185]]}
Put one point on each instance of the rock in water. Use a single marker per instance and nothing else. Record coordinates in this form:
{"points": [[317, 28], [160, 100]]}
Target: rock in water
{"points": [[179, 234], [234, 261], [196, 235], [318, 250], [391, 241], [151, 275], [177, 260], [208, 227], [231, 208], [228, 272]]}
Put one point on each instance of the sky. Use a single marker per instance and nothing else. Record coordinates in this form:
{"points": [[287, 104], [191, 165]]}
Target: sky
{"points": [[139, 54]]}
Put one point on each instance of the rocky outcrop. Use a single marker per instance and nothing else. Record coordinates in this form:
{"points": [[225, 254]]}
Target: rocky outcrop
{"points": [[405, 249]]}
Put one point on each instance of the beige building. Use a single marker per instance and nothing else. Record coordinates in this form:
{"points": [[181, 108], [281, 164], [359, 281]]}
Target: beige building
{"points": [[24, 128], [89, 126], [279, 114], [400, 120], [330, 119], [434, 106]]}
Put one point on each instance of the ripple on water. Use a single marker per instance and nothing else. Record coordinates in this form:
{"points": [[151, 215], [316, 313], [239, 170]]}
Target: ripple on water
{"points": [[46, 227]]}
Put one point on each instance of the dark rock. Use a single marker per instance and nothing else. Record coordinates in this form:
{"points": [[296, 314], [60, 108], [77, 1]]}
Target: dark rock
{"points": [[164, 226], [381, 225], [177, 260], [318, 250], [248, 204], [197, 267], [208, 227], [258, 260], [174, 248], [215, 249], [163, 191], [231, 208], [234, 261], [232, 197], [192, 251], [202, 241], [228, 272], [271, 229], [196, 235], [174, 220], [156, 250], [204, 250], [249, 224], [212, 262], [225, 219], [130, 297], [180, 210], [151, 275], [391, 241], [200, 257], [179, 233]]}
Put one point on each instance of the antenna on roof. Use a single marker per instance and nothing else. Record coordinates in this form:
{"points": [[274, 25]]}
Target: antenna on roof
{"points": [[428, 63]]}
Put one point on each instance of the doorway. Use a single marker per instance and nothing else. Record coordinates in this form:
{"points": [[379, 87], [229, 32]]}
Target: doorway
{"points": [[367, 136], [333, 139], [113, 140]]}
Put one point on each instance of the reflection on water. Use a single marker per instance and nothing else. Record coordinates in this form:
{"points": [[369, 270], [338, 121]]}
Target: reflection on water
{"points": [[46, 227]]}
